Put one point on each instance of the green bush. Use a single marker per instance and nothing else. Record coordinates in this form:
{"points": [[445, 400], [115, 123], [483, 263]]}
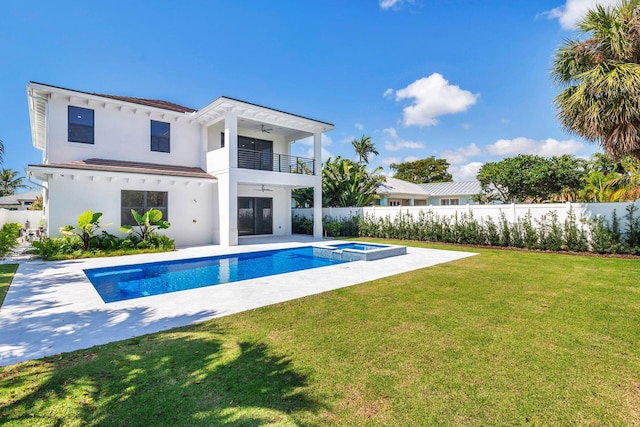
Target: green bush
{"points": [[548, 233], [301, 225], [9, 234]]}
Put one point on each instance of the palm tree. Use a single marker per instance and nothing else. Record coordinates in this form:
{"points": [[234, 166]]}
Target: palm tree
{"points": [[364, 147], [626, 186], [601, 78], [1, 151], [10, 182]]}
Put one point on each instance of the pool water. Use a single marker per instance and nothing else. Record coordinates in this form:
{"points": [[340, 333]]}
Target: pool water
{"points": [[359, 246], [140, 280]]}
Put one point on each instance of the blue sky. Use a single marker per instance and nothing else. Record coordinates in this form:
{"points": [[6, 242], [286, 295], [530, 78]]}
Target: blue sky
{"points": [[464, 80]]}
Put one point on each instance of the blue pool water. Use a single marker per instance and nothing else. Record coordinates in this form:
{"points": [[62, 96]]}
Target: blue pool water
{"points": [[140, 280], [359, 246]]}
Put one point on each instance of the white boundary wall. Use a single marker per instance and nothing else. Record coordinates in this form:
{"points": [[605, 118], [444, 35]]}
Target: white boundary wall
{"points": [[512, 212], [21, 217]]}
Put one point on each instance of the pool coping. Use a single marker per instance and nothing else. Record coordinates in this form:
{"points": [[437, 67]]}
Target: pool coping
{"points": [[52, 308]]}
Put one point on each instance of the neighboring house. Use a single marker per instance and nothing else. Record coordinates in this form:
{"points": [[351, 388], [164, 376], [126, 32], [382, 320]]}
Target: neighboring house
{"points": [[217, 173], [19, 202], [396, 192], [451, 193]]}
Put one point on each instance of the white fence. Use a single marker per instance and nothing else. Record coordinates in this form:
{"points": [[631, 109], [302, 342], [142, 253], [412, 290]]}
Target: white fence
{"points": [[21, 217], [512, 212]]}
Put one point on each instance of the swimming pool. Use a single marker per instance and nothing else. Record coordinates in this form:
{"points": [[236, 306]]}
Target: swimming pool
{"points": [[140, 280]]}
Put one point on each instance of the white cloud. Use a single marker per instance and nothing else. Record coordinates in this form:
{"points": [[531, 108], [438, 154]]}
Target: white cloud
{"points": [[574, 10], [359, 126], [411, 159], [433, 97], [388, 160], [388, 93], [547, 147], [465, 125], [395, 143], [466, 172], [461, 155], [388, 4]]}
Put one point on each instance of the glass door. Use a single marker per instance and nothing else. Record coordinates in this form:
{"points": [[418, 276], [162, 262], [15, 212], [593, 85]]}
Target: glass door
{"points": [[255, 216]]}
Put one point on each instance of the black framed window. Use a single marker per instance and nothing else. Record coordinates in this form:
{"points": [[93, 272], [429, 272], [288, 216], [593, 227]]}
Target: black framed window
{"points": [[160, 136], [142, 201], [80, 125]]}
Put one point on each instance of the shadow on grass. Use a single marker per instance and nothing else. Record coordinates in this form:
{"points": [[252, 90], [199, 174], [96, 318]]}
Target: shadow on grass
{"points": [[193, 377]]}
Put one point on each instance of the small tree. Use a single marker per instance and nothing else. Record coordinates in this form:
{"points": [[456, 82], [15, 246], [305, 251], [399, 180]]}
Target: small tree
{"points": [[88, 224], [148, 223]]}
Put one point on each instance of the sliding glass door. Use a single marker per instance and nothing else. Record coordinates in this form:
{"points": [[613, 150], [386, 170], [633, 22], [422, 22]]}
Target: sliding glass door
{"points": [[255, 216]]}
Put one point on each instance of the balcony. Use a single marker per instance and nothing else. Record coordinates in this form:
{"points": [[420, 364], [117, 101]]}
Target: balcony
{"points": [[268, 161]]}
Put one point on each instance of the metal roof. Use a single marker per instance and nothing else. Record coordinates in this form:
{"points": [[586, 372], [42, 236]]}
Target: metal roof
{"points": [[15, 199], [465, 188], [398, 186]]}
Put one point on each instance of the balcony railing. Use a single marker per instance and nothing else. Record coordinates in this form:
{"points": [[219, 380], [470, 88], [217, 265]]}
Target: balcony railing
{"points": [[267, 161]]}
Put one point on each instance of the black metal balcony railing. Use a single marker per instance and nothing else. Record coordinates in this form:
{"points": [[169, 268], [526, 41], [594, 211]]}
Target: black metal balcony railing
{"points": [[267, 161]]}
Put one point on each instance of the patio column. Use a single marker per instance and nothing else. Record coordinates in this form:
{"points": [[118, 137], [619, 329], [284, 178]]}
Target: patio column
{"points": [[228, 204], [231, 138], [317, 188]]}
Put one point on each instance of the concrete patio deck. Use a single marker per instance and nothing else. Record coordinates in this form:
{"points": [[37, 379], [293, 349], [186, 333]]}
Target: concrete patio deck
{"points": [[51, 307]]}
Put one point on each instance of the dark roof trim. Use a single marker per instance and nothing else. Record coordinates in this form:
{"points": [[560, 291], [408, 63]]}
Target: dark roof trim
{"points": [[156, 103], [105, 165]]}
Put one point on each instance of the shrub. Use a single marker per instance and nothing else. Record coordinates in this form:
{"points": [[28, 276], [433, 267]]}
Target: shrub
{"points": [[548, 233], [9, 234], [301, 225]]}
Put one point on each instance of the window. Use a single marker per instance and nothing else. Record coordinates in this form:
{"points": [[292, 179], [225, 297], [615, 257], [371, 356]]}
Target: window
{"points": [[447, 202], [141, 201], [160, 136], [80, 125]]}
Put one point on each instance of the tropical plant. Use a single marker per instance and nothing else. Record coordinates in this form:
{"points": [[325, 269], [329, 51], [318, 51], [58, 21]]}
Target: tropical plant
{"points": [[9, 237], [303, 197], [626, 185], [148, 223], [600, 74], [1, 151], [36, 205], [10, 182], [88, 225], [364, 148], [423, 171], [347, 183]]}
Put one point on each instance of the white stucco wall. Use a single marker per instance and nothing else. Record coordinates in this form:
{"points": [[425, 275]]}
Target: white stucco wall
{"points": [[123, 134], [191, 205]]}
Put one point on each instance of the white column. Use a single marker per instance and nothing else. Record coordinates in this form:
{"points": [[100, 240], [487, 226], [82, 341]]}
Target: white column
{"points": [[231, 138], [228, 205], [317, 188]]}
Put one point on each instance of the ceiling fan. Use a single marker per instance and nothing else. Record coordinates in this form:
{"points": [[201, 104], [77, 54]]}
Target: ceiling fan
{"points": [[265, 130], [263, 189]]}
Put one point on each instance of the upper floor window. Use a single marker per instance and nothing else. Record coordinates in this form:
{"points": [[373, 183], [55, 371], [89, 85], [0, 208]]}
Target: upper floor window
{"points": [[80, 125], [160, 136]]}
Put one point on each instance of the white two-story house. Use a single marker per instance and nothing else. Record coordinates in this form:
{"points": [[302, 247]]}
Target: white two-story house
{"points": [[217, 174]]}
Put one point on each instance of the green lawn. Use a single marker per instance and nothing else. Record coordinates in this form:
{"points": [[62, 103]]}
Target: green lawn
{"points": [[502, 338], [6, 275]]}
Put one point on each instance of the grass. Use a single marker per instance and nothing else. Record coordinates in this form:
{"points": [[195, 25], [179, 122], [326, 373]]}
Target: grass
{"points": [[502, 338], [6, 276]]}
